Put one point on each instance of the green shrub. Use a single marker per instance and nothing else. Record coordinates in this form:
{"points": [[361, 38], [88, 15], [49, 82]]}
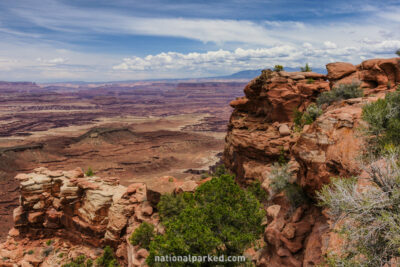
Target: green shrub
{"points": [[107, 259], [282, 159], [280, 178], [219, 218], [340, 92], [308, 117], [398, 52], [383, 118], [220, 170], [256, 189], [369, 219], [49, 242], [79, 261], [170, 205], [89, 172], [306, 68], [142, 235], [30, 252], [310, 81], [278, 68]]}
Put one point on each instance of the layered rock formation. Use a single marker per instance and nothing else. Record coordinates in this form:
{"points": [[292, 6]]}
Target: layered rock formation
{"points": [[375, 74], [261, 132], [90, 211], [259, 127]]}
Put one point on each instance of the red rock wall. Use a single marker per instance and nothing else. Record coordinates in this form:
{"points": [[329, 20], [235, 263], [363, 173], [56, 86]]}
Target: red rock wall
{"points": [[260, 131]]}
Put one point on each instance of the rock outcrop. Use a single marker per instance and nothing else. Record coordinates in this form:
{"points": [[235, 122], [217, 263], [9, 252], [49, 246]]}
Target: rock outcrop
{"points": [[261, 133], [331, 145], [259, 127], [375, 74], [90, 211]]}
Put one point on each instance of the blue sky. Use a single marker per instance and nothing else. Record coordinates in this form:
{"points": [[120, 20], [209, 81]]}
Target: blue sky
{"points": [[98, 40]]}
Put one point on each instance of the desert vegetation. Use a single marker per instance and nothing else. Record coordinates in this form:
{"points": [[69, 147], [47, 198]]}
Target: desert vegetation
{"points": [[278, 68], [282, 181], [368, 220], [220, 218], [340, 92], [142, 235], [107, 259], [383, 118], [306, 68], [308, 116]]}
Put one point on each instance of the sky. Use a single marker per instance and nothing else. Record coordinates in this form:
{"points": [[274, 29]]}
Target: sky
{"points": [[114, 40]]}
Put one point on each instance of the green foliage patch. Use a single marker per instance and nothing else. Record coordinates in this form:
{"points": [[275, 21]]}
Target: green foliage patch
{"points": [[369, 220], [79, 261], [142, 235], [89, 172], [107, 259], [340, 92], [280, 177], [306, 68], [220, 218], [278, 68], [309, 116], [383, 118]]}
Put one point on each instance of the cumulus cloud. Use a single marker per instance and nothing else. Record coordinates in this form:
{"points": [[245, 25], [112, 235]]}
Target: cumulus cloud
{"points": [[69, 41], [288, 55]]}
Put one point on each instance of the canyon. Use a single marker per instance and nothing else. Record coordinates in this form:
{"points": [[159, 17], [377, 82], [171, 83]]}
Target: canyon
{"points": [[137, 131], [80, 213]]}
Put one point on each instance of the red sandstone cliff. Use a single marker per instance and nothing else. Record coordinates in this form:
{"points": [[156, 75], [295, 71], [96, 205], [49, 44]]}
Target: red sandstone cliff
{"points": [[261, 131]]}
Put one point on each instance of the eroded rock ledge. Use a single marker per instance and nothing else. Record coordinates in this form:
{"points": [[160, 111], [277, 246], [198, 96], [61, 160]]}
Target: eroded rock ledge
{"points": [[86, 212]]}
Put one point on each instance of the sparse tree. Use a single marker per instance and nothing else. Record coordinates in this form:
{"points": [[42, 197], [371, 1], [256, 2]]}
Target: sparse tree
{"points": [[306, 68]]}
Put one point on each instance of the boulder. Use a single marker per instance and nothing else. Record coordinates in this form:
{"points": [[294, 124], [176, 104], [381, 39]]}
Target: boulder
{"points": [[339, 70]]}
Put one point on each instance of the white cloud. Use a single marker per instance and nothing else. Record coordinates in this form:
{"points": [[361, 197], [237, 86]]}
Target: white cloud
{"points": [[288, 55], [329, 44], [55, 54], [53, 61]]}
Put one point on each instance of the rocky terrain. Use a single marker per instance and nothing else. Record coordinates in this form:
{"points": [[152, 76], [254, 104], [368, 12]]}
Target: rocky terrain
{"points": [[79, 212], [261, 131], [28, 107], [134, 130], [68, 213]]}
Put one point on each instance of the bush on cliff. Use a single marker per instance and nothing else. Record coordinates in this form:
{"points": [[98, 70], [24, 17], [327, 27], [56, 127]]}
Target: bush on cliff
{"points": [[79, 261], [306, 68], [142, 235], [89, 172], [278, 68], [280, 178], [107, 259], [368, 220], [220, 218], [383, 118], [340, 92], [309, 116], [256, 189]]}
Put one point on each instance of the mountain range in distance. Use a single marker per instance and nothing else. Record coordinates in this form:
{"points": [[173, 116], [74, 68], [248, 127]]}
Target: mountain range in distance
{"points": [[242, 75], [250, 74]]}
